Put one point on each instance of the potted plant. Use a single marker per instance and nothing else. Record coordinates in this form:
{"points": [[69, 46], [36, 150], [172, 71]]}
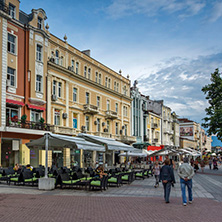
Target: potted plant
{"points": [[41, 120], [23, 118]]}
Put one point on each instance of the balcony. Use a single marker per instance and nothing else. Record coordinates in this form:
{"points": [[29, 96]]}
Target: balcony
{"points": [[111, 114], [63, 130], [4, 7], [28, 125], [90, 109], [102, 134]]}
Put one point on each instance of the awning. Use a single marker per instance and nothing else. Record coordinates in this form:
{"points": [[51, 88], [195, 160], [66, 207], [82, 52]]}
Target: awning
{"points": [[59, 141], [14, 102], [110, 143], [35, 107]]}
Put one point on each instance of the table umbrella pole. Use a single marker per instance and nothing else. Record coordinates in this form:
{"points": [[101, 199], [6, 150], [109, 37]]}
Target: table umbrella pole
{"points": [[46, 154]]}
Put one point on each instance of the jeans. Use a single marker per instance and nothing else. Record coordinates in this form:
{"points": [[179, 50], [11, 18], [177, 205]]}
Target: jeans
{"points": [[167, 188], [157, 177], [183, 185]]}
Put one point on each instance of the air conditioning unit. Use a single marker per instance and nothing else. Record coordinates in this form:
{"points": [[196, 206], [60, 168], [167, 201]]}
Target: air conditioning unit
{"points": [[8, 82], [64, 115], [54, 97], [52, 60]]}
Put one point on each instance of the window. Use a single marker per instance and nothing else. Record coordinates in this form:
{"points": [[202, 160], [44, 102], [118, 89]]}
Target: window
{"points": [[39, 52], [98, 101], [57, 117], [75, 125], [11, 76], [11, 43], [77, 68], [87, 98], [109, 83], [108, 125], [38, 83], [89, 73], [124, 111], [117, 128], [107, 105], [61, 61], [117, 87], [114, 86], [12, 114], [72, 65], [87, 123], [116, 107], [60, 89], [98, 125], [54, 87], [57, 57], [96, 77], [12, 10], [35, 116], [39, 24], [124, 90], [85, 70], [74, 95], [106, 81], [100, 79], [125, 129]]}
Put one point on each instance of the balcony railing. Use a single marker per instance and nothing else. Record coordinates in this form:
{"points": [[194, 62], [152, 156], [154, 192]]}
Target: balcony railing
{"points": [[111, 114], [63, 130], [4, 7], [90, 109], [28, 125]]}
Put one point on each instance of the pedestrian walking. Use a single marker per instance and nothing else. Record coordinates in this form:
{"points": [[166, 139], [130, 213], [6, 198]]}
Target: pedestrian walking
{"points": [[156, 171], [186, 173], [202, 165], [215, 164], [167, 177], [210, 163], [172, 165]]}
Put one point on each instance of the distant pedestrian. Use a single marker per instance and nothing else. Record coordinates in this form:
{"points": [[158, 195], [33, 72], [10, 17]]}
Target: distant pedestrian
{"points": [[210, 163], [215, 164], [167, 177], [156, 171], [186, 173], [202, 165], [196, 167]]}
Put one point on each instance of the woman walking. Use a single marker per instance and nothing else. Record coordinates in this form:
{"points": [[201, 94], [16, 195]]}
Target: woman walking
{"points": [[167, 178], [156, 171]]}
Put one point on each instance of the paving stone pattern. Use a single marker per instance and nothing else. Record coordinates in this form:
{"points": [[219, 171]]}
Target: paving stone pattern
{"points": [[139, 201]]}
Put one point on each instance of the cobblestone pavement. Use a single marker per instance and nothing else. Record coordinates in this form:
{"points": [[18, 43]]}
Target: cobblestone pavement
{"points": [[139, 201]]}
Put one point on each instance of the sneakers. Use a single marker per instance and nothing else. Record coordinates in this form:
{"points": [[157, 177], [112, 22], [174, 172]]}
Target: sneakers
{"points": [[190, 202], [184, 204], [167, 201]]}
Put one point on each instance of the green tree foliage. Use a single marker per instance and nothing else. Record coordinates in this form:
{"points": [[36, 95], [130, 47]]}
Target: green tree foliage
{"points": [[213, 92]]}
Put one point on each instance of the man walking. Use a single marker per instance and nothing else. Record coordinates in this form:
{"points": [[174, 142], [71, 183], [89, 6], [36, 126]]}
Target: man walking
{"points": [[186, 173]]}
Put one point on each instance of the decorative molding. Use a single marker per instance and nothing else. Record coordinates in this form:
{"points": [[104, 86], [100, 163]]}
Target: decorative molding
{"points": [[38, 38], [39, 68], [12, 96], [39, 95], [11, 89], [37, 101]]}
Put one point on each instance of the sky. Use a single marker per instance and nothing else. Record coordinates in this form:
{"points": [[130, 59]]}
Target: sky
{"points": [[170, 46]]}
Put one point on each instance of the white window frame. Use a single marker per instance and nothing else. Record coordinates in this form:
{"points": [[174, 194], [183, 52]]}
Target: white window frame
{"points": [[54, 87], [77, 68], [75, 94], [57, 117], [87, 121], [73, 64], [116, 107], [87, 98], [40, 22], [85, 71], [10, 75], [38, 85], [59, 89], [39, 53], [11, 47], [109, 83], [35, 113], [96, 77], [107, 105], [98, 101], [12, 10], [89, 73], [106, 81]]}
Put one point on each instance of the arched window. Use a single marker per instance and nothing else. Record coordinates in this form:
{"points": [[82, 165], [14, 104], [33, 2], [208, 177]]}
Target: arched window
{"points": [[57, 57]]}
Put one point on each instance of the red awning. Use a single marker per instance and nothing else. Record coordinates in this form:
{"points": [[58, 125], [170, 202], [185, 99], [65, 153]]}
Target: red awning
{"points": [[14, 102], [35, 107]]}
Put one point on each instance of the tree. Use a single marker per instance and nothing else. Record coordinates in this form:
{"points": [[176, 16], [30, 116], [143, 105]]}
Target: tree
{"points": [[213, 92]]}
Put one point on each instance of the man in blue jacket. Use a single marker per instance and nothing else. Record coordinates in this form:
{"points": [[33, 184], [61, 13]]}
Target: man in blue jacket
{"points": [[167, 178]]}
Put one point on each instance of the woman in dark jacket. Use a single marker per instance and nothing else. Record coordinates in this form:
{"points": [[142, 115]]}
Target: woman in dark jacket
{"points": [[167, 178]]}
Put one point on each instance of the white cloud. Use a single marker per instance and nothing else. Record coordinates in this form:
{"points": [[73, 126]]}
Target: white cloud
{"points": [[217, 12], [121, 8]]}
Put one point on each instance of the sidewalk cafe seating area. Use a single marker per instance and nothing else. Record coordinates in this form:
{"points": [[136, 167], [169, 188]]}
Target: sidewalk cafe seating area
{"points": [[74, 178]]}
